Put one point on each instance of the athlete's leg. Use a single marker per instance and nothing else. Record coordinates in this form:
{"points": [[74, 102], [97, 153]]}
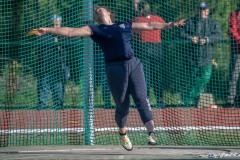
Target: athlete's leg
{"points": [[138, 90], [117, 77]]}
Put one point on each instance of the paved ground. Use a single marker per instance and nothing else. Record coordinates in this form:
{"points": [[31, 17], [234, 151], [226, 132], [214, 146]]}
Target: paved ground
{"points": [[117, 152]]}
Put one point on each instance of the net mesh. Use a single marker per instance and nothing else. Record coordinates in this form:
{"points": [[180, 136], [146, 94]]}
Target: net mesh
{"points": [[53, 89]]}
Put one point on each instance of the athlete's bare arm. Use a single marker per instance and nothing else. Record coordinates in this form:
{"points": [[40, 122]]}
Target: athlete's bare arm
{"points": [[67, 31], [137, 27]]}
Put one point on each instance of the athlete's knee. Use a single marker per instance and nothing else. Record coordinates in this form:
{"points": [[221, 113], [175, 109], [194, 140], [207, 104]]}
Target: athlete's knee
{"points": [[121, 113], [122, 106], [121, 118]]}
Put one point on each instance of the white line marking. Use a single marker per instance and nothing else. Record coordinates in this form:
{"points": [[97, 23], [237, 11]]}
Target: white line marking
{"points": [[78, 130]]}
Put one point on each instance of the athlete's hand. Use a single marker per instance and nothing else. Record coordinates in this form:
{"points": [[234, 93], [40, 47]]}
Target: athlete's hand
{"points": [[37, 32], [41, 31]]}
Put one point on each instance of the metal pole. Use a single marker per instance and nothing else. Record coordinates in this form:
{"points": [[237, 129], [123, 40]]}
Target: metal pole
{"points": [[88, 78]]}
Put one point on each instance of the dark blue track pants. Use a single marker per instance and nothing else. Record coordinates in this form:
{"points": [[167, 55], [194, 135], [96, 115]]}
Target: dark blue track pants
{"points": [[126, 78]]}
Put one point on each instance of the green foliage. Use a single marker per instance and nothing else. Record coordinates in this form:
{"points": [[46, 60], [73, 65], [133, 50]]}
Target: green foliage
{"points": [[34, 14]]}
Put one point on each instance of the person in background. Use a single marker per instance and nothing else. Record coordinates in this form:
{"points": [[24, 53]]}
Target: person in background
{"points": [[200, 33], [149, 50], [124, 71], [234, 31], [51, 69]]}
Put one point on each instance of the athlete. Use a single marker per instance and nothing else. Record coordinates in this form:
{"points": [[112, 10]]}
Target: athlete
{"points": [[124, 71]]}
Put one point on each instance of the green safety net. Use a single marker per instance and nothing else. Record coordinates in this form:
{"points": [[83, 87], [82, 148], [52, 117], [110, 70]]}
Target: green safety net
{"points": [[53, 90]]}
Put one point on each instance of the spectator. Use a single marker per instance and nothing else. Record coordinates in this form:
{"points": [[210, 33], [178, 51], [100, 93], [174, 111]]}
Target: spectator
{"points": [[234, 31], [201, 32], [51, 70], [149, 50]]}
